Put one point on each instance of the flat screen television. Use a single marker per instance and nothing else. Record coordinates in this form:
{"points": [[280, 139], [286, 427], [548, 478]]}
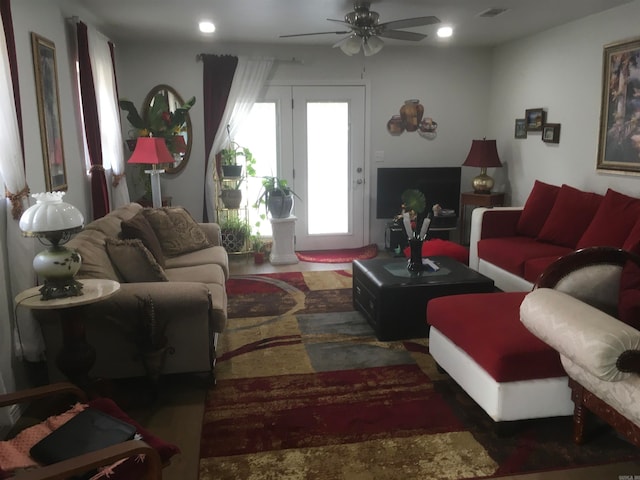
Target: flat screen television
{"points": [[439, 185]]}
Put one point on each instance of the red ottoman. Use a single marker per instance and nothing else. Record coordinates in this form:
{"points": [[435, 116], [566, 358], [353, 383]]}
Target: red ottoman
{"points": [[446, 248], [479, 341]]}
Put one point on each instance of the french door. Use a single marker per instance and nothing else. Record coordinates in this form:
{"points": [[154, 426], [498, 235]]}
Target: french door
{"points": [[317, 143]]}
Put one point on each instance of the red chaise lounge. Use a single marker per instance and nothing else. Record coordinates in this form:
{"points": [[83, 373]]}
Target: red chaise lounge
{"points": [[479, 341]]}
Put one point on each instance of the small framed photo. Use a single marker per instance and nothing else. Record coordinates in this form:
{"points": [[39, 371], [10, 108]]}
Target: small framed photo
{"points": [[535, 119], [551, 133], [520, 128]]}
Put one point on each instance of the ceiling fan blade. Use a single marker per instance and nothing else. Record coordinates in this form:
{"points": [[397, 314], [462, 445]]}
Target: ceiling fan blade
{"points": [[341, 22], [400, 35], [316, 33], [410, 22]]}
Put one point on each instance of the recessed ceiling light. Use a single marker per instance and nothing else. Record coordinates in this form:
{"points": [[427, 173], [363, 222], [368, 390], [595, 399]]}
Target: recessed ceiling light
{"points": [[445, 32], [207, 27]]}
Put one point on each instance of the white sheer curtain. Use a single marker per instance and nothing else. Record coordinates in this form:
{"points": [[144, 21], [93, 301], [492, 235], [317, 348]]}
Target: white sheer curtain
{"points": [[18, 264], [249, 78], [108, 117]]}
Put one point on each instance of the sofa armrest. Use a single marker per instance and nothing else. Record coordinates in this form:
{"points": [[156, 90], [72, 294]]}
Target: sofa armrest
{"points": [[591, 275], [489, 223], [171, 300], [212, 230], [592, 339]]}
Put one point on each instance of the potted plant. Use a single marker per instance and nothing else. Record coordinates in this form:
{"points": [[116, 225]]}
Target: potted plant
{"points": [[230, 166], [277, 197], [258, 247], [159, 121], [235, 232], [230, 193]]}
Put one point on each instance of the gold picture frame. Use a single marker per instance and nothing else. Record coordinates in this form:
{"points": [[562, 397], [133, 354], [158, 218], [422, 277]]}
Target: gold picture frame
{"points": [[619, 138], [48, 97]]}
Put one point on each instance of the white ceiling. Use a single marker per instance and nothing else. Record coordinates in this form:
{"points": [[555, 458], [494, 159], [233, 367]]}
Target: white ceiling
{"points": [[250, 21]]}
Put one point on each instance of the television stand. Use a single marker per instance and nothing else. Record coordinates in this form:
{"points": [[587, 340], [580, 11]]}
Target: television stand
{"points": [[441, 227]]}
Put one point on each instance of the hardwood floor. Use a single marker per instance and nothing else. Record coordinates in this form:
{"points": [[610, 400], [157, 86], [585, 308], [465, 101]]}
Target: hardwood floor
{"points": [[176, 415]]}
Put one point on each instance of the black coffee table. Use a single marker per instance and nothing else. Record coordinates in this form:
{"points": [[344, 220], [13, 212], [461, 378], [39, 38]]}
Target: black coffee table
{"points": [[394, 300]]}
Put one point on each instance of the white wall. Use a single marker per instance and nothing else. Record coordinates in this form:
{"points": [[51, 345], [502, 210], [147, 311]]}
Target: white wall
{"points": [[451, 83], [48, 19], [561, 71]]}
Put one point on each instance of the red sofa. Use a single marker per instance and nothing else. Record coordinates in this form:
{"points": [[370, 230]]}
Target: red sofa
{"points": [[514, 245]]}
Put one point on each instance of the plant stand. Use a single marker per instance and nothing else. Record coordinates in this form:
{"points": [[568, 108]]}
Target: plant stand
{"points": [[283, 250]]}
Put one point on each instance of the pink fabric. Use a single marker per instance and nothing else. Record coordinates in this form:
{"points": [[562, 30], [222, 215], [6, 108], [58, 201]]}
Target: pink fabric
{"points": [[536, 208], [14, 453]]}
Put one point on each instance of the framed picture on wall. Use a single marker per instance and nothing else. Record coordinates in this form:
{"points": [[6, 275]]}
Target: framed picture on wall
{"points": [[520, 128], [534, 118], [551, 133], [619, 139], [48, 96]]}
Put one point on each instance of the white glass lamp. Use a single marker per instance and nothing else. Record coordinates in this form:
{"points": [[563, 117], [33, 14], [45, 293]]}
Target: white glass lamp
{"points": [[54, 221]]}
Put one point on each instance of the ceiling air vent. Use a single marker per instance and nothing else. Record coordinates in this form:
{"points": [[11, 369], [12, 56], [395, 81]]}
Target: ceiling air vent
{"points": [[492, 12]]}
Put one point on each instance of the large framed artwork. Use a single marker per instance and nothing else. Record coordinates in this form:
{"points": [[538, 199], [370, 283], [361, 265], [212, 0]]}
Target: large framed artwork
{"points": [[619, 140], [46, 76]]}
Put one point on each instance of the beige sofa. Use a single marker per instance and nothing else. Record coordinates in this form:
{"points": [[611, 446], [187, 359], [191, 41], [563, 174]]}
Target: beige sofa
{"points": [[186, 292]]}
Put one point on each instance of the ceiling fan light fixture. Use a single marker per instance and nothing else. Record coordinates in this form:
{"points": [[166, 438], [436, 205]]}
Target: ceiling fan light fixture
{"points": [[444, 32], [350, 45], [206, 26], [372, 45]]}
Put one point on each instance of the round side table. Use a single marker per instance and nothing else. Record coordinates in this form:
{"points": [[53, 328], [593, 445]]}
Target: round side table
{"points": [[76, 358]]}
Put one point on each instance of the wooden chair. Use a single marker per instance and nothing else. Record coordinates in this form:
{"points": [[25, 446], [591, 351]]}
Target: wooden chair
{"points": [[87, 462]]}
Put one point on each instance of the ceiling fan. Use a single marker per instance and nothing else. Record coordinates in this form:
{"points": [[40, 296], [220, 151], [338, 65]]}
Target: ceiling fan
{"points": [[364, 30]]}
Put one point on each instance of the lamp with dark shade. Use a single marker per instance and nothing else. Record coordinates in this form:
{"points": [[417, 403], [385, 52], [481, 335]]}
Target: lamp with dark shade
{"points": [[483, 154], [152, 151]]}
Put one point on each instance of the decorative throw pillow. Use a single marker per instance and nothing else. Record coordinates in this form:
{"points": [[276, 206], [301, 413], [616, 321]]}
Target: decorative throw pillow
{"points": [[133, 261], [570, 216], [176, 230], [629, 296], [633, 237], [536, 208], [613, 221], [139, 227]]}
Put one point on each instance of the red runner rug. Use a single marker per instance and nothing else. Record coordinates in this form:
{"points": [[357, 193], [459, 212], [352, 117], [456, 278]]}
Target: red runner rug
{"points": [[344, 255], [306, 391]]}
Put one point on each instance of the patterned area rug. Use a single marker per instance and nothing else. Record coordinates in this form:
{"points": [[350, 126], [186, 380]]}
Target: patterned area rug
{"points": [[305, 391], [339, 256]]}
